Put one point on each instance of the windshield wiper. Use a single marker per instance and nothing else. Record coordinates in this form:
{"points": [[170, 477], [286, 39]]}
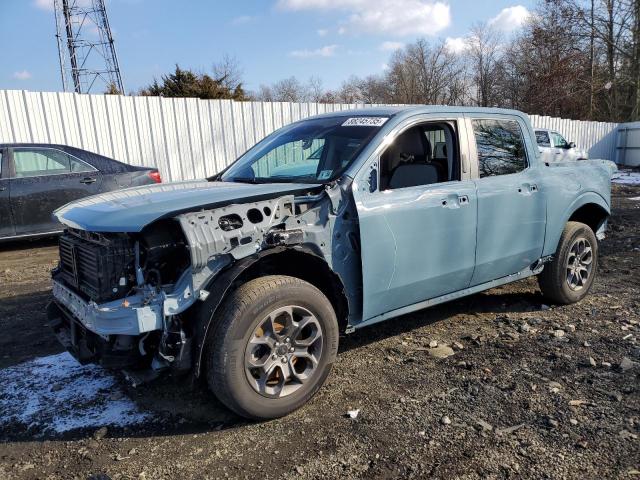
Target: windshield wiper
{"points": [[275, 179], [245, 180]]}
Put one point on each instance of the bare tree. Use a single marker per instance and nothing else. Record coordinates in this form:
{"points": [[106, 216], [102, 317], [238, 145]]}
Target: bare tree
{"points": [[612, 29], [285, 90], [228, 72], [425, 73], [484, 55], [349, 91], [315, 89], [374, 89]]}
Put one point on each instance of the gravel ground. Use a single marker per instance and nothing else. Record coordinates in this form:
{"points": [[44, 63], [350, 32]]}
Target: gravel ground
{"points": [[527, 390]]}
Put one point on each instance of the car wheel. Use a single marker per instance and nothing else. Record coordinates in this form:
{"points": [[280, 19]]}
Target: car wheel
{"points": [[272, 348], [569, 277]]}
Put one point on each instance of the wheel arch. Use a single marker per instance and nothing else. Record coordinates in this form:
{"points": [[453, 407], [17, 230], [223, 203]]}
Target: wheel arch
{"points": [[590, 214], [298, 261], [589, 208]]}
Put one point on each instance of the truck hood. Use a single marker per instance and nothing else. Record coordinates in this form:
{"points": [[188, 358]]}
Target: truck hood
{"points": [[132, 209]]}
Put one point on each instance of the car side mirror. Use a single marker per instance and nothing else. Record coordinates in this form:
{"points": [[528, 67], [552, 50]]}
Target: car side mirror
{"points": [[572, 145], [373, 180]]}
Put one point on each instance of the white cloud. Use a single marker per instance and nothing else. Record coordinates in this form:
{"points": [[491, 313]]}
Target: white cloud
{"points": [[510, 18], [326, 51], [390, 46], [384, 67], [44, 4], [322, 32], [22, 75], [456, 44], [396, 17], [242, 20]]}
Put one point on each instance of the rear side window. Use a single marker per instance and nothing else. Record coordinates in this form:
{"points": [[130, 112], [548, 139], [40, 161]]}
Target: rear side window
{"points": [[78, 166], [501, 149], [542, 138]]}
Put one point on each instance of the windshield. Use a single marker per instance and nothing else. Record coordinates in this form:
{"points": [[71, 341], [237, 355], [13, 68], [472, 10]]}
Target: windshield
{"points": [[312, 151]]}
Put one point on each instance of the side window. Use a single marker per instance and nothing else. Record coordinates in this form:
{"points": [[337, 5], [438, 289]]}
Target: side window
{"points": [[78, 166], [559, 141], [542, 138], [501, 148], [422, 155], [30, 162]]}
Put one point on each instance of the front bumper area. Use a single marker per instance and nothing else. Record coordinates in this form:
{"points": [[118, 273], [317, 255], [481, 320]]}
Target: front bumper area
{"points": [[138, 315], [128, 333], [114, 351]]}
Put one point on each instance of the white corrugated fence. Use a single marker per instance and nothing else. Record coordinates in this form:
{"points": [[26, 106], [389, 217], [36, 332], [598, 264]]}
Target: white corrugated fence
{"points": [[191, 138]]}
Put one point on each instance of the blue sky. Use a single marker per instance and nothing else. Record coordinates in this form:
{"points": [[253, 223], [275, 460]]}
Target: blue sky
{"points": [[272, 39]]}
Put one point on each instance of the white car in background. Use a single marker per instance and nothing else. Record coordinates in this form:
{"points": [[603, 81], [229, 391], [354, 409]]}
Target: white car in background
{"points": [[555, 148]]}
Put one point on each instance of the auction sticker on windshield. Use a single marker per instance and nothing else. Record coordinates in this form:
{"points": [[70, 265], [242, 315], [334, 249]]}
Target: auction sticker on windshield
{"points": [[365, 122], [325, 174]]}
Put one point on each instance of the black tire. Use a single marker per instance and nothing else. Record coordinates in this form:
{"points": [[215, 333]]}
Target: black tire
{"points": [[554, 279], [237, 319]]}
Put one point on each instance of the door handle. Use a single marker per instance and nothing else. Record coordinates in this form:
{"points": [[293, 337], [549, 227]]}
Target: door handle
{"points": [[88, 180], [455, 201], [527, 189]]}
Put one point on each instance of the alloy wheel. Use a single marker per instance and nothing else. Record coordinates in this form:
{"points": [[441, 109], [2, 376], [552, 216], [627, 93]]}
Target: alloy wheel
{"points": [[283, 351], [579, 264]]}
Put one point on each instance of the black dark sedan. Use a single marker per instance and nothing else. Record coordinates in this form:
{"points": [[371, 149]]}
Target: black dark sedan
{"points": [[35, 179]]}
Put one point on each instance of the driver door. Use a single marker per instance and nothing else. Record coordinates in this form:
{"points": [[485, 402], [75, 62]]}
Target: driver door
{"points": [[418, 234], [7, 228]]}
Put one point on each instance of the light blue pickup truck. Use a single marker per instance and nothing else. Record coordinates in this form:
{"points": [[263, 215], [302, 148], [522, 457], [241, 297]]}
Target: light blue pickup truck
{"points": [[328, 225]]}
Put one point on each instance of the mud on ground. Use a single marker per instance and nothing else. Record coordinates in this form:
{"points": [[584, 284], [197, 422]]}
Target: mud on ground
{"points": [[532, 391]]}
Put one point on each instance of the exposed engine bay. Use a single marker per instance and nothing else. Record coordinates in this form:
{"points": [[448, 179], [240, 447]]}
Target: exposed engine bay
{"points": [[127, 300]]}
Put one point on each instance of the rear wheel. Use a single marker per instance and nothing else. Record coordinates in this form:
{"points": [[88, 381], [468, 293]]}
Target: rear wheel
{"points": [[272, 347], [569, 277]]}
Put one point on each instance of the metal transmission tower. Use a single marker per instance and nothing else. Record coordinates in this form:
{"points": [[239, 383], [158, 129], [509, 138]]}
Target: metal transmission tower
{"points": [[85, 45]]}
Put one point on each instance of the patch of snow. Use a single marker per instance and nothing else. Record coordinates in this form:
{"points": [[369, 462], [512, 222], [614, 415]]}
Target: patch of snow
{"points": [[626, 177], [56, 393], [637, 199]]}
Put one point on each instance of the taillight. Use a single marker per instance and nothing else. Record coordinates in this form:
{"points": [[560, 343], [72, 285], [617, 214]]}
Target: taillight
{"points": [[155, 176]]}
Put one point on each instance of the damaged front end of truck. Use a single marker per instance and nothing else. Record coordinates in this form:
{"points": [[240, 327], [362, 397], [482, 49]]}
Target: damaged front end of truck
{"points": [[143, 298]]}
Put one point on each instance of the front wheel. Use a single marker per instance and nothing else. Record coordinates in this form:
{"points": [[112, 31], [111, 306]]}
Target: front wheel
{"points": [[272, 347], [569, 277]]}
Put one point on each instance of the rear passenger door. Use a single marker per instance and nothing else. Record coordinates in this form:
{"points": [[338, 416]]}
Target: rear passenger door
{"points": [[511, 208], [44, 179], [6, 221]]}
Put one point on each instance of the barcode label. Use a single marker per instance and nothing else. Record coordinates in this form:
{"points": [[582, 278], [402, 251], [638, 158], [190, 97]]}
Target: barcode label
{"points": [[365, 122]]}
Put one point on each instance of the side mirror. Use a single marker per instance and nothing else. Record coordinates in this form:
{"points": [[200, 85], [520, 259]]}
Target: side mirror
{"points": [[572, 145], [373, 180]]}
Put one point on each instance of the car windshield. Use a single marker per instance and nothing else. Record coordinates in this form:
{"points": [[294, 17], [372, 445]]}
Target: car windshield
{"points": [[311, 151]]}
